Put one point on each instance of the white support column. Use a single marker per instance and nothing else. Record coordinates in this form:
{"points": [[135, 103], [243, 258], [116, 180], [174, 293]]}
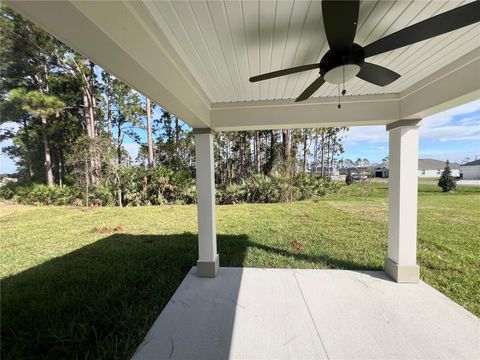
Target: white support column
{"points": [[207, 264], [401, 262]]}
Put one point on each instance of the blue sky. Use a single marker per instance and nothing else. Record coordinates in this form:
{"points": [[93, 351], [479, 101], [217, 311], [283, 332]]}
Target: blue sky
{"points": [[450, 135]]}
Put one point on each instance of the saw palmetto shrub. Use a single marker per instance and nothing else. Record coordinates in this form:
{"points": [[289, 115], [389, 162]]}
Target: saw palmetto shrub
{"points": [[137, 186], [40, 194]]}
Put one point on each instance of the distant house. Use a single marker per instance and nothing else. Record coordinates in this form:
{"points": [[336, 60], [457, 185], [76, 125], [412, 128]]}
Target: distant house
{"points": [[471, 170], [432, 168], [380, 171], [332, 172]]}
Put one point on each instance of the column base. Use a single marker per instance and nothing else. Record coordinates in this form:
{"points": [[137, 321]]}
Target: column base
{"points": [[208, 268], [400, 273]]}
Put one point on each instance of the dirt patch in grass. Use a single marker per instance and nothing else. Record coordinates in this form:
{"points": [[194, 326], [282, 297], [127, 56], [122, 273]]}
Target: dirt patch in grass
{"points": [[297, 246], [366, 210], [107, 229]]}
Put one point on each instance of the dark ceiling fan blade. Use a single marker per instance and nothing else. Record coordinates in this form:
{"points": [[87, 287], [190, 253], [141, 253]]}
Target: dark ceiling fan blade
{"points": [[440, 24], [340, 21], [284, 72], [310, 90], [377, 74]]}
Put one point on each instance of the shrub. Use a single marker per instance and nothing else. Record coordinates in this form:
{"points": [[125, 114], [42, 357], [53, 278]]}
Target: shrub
{"points": [[232, 194], [40, 194], [189, 194], [349, 178], [446, 181], [162, 185], [262, 189], [8, 190], [103, 195]]}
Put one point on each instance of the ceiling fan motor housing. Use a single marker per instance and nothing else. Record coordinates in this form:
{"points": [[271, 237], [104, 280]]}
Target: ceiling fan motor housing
{"points": [[337, 68]]}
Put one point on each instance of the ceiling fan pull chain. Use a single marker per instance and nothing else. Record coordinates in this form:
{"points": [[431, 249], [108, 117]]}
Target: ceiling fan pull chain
{"points": [[339, 105], [344, 91]]}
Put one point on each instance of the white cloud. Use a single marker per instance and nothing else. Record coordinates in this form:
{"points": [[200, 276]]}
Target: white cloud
{"points": [[442, 127], [369, 134]]}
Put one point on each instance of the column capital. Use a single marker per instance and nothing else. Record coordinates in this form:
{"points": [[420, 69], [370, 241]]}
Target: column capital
{"points": [[203, 131], [402, 123]]}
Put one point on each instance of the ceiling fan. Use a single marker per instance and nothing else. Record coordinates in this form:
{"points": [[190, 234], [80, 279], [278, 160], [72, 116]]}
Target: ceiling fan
{"points": [[346, 59]]}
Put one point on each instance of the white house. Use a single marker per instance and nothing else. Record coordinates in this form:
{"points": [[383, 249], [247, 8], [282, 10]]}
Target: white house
{"points": [[381, 170], [471, 170], [431, 168]]}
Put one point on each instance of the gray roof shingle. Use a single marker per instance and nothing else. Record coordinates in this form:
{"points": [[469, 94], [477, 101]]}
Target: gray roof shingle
{"points": [[472, 163], [432, 164]]}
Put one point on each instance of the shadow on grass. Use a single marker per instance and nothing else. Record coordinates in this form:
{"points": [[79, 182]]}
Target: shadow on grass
{"points": [[100, 300]]}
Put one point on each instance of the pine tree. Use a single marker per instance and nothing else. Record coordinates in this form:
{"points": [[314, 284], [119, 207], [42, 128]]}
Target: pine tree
{"points": [[447, 181], [41, 106]]}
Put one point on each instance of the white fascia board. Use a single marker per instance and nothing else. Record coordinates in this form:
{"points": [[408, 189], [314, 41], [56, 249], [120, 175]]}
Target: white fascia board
{"points": [[277, 114], [454, 85], [113, 35]]}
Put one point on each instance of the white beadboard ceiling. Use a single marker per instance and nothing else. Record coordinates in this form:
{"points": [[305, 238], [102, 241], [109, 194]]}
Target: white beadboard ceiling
{"points": [[225, 42]]}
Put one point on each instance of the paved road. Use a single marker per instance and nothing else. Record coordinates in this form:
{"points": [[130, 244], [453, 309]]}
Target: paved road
{"points": [[432, 182]]}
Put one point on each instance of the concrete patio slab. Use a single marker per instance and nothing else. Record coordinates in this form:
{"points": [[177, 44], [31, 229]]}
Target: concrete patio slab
{"points": [[247, 313]]}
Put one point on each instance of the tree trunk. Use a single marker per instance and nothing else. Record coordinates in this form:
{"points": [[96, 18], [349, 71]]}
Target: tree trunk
{"points": [[327, 157], [87, 180], [29, 150], [150, 160], [242, 156], [322, 157], [60, 168], [294, 151], [48, 158], [109, 107], [257, 153], [93, 100], [332, 160], [119, 187], [119, 146], [89, 125], [119, 195], [177, 143], [272, 153], [286, 144], [305, 150], [315, 154]]}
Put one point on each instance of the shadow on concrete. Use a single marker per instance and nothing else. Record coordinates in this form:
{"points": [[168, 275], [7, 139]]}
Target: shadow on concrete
{"points": [[101, 300]]}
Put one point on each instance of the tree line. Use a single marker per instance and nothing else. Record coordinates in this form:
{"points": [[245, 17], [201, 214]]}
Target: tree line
{"points": [[72, 121]]}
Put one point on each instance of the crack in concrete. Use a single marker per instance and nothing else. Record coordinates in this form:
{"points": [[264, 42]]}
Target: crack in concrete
{"points": [[311, 317], [173, 348]]}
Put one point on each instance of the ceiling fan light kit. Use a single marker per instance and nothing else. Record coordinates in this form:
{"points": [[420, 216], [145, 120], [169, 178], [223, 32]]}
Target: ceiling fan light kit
{"points": [[338, 68], [346, 59], [341, 74]]}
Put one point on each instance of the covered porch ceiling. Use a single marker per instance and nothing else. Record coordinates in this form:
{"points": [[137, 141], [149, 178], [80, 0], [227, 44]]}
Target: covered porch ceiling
{"points": [[195, 58]]}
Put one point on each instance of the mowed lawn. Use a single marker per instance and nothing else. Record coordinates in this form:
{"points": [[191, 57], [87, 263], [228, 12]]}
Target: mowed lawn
{"points": [[88, 283]]}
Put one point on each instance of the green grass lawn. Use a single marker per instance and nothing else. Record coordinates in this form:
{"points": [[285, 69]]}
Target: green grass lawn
{"points": [[75, 287]]}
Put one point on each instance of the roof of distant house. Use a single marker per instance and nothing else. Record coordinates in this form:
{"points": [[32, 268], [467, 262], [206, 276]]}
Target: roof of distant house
{"points": [[432, 164], [472, 163], [382, 166]]}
